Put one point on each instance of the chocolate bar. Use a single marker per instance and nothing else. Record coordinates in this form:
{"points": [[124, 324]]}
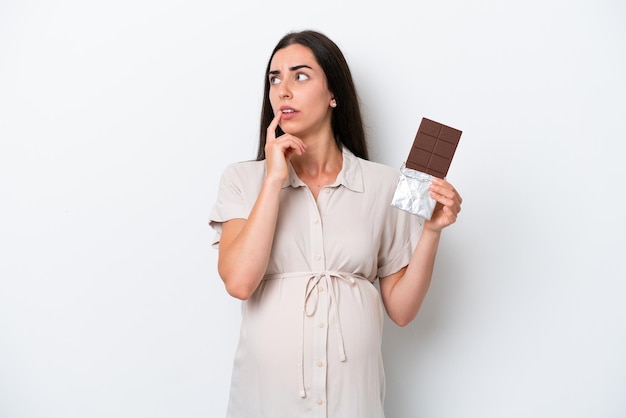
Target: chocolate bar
{"points": [[433, 148]]}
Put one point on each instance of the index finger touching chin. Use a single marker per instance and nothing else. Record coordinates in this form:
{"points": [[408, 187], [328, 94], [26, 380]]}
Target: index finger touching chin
{"points": [[275, 121]]}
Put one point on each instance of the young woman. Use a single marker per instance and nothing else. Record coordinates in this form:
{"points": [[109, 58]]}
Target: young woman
{"points": [[303, 232]]}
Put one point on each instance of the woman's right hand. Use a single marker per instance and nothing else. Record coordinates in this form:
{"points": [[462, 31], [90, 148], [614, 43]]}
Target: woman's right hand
{"points": [[278, 151]]}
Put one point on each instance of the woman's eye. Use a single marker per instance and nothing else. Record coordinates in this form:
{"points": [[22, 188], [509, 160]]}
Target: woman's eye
{"points": [[302, 77], [274, 80]]}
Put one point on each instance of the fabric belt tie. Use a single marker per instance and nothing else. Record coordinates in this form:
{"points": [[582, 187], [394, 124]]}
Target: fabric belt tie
{"points": [[309, 306]]}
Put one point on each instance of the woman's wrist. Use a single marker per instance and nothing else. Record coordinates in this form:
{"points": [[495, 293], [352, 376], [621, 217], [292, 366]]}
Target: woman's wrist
{"points": [[273, 181], [431, 230]]}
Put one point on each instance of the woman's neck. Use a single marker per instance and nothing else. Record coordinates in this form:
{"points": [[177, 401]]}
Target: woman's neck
{"points": [[320, 160]]}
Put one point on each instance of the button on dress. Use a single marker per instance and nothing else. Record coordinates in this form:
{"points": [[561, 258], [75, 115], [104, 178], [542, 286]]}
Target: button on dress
{"points": [[311, 333]]}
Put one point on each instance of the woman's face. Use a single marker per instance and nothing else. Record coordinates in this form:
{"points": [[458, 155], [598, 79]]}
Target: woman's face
{"points": [[299, 90]]}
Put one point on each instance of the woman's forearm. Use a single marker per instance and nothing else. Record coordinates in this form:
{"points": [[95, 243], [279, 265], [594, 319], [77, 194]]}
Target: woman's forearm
{"points": [[404, 292], [245, 245]]}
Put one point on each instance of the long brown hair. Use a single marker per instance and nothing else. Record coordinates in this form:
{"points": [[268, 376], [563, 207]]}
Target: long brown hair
{"points": [[347, 123]]}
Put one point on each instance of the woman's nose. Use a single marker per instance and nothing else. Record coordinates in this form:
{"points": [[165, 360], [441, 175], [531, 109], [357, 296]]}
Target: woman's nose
{"points": [[284, 90]]}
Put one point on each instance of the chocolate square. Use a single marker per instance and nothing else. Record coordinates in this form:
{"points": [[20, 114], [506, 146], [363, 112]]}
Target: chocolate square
{"points": [[433, 148]]}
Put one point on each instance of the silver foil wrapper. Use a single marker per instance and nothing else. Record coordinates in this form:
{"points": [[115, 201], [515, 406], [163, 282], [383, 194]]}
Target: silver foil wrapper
{"points": [[412, 194]]}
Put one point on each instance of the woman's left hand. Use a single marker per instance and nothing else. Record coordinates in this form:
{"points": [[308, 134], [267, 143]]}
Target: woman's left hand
{"points": [[448, 205]]}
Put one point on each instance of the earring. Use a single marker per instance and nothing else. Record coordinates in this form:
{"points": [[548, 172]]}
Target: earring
{"points": [[333, 103]]}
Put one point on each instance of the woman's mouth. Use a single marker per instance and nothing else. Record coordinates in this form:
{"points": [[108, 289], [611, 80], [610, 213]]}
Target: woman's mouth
{"points": [[288, 113]]}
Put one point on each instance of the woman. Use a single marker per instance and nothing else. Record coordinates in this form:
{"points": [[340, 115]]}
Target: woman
{"points": [[303, 232]]}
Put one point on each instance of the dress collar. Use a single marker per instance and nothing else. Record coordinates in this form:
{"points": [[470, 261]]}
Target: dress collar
{"points": [[350, 175]]}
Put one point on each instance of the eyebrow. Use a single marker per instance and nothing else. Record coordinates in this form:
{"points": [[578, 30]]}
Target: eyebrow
{"points": [[294, 68]]}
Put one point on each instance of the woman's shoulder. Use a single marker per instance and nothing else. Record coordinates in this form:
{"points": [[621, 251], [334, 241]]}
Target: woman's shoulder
{"points": [[244, 168], [243, 175], [380, 171], [377, 167]]}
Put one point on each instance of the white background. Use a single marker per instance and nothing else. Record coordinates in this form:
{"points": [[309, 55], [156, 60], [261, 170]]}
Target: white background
{"points": [[117, 118]]}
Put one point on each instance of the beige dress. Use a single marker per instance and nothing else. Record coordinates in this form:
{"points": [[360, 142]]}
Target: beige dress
{"points": [[311, 334]]}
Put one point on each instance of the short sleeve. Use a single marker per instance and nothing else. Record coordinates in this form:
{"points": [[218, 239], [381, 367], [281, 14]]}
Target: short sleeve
{"points": [[230, 202], [401, 233]]}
